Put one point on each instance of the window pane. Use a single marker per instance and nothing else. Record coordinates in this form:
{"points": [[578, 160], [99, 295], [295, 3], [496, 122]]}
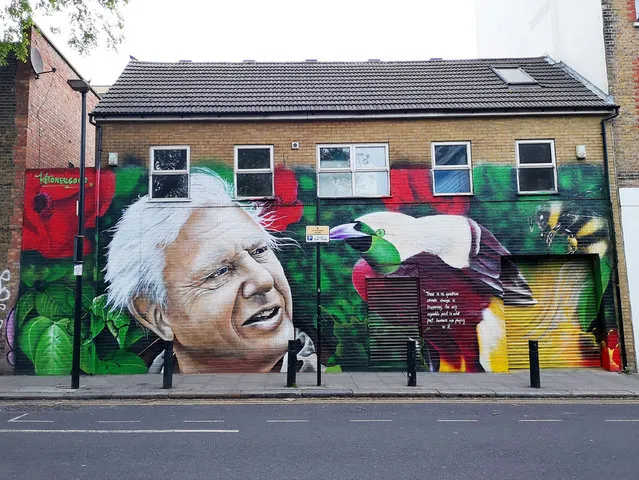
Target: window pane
{"points": [[335, 185], [370, 157], [536, 179], [170, 186], [335, 157], [450, 155], [535, 153], [169, 159], [371, 183], [515, 76], [254, 184], [253, 158], [452, 181]]}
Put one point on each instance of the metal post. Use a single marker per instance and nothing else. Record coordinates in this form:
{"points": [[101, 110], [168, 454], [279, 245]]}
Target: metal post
{"points": [[533, 354], [411, 362], [167, 372], [318, 281], [291, 362], [79, 256]]}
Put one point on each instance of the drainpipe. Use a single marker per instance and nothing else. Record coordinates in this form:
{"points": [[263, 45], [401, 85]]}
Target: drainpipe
{"points": [[613, 238]]}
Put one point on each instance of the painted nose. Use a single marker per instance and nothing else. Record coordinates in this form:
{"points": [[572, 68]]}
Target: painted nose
{"points": [[259, 279]]}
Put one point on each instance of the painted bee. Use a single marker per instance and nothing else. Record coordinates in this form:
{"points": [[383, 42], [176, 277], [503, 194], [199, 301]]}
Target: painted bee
{"points": [[584, 232]]}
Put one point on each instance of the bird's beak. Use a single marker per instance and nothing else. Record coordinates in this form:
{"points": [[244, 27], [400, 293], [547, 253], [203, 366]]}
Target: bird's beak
{"points": [[346, 232]]}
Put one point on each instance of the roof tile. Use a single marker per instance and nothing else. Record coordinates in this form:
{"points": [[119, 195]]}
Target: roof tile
{"points": [[201, 89]]}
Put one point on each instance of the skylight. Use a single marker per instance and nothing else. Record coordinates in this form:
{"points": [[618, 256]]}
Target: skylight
{"points": [[514, 76]]}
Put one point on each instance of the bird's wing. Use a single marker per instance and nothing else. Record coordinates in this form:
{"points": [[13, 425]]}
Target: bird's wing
{"points": [[516, 289], [485, 265]]}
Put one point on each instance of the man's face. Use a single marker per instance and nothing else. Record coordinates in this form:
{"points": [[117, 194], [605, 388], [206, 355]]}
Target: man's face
{"points": [[229, 302]]}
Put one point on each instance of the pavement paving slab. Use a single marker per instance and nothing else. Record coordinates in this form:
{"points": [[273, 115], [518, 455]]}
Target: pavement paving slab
{"points": [[569, 383]]}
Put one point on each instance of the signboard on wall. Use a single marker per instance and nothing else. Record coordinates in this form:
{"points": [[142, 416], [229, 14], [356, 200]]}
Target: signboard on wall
{"points": [[317, 233]]}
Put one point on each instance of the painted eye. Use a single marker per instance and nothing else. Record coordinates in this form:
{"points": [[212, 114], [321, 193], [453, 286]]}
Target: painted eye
{"points": [[381, 232], [219, 272], [259, 251]]}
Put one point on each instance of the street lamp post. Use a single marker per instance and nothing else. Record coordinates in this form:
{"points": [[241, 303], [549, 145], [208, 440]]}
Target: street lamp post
{"points": [[81, 86]]}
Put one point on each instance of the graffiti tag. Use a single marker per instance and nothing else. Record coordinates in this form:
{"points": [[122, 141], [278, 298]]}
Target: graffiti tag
{"points": [[5, 294]]}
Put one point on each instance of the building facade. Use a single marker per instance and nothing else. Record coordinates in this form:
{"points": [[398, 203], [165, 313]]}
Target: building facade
{"points": [[39, 128], [622, 55], [597, 39], [466, 204]]}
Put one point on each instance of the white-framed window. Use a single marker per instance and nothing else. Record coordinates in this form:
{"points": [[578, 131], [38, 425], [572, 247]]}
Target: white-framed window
{"points": [[536, 166], [169, 173], [253, 171], [452, 168], [353, 170]]}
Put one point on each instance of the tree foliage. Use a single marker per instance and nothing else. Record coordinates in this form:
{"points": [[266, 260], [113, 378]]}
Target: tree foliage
{"points": [[87, 23]]}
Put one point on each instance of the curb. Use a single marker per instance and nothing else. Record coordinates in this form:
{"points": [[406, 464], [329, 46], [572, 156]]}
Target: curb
{"points": [[301, 393]]}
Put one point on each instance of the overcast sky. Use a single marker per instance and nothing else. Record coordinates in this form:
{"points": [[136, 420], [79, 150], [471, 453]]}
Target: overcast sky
{"points": [[282, 30]]}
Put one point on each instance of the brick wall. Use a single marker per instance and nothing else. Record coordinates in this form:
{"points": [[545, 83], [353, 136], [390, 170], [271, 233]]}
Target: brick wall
{"points": [[54, 113], [8, 135], [622, 52], [493, 139], [7, 141], [509, 216], [523, 224], [622, 58], [39, 127]]}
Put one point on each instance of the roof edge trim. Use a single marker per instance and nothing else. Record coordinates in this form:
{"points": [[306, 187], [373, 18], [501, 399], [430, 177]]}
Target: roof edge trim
{"points": [[532, 113], [580, 78]]}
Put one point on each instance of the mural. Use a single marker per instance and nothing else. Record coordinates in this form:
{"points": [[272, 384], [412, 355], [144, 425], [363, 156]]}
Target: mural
{"points": [[231, 283]]}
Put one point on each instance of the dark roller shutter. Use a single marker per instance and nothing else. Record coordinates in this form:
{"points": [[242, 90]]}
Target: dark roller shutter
{"points": [[393, 317], [566, 306]]}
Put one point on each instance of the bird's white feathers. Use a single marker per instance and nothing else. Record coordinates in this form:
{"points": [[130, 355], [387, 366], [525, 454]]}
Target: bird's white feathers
{"points": [[459, 242], [447, 236]]}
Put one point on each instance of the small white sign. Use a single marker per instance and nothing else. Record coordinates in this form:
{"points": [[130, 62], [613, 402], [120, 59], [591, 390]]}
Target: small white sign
{"points": [[77, 270], [317, 233], [317, 238]]}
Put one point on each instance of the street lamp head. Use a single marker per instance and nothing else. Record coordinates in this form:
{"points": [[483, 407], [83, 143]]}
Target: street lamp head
{"points": [[79, 85]]}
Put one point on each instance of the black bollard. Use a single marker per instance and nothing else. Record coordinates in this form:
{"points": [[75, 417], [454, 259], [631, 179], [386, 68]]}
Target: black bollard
{"points": [[411, 362], [167, 373], [533, 355], [294, 347]]}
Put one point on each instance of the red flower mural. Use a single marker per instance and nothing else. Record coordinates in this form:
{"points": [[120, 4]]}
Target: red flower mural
{"points": [[415, 186], [50, 203], [285, 209]]}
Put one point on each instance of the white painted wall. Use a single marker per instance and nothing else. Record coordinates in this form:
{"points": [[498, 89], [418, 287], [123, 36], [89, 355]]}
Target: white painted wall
{"points": [[629, 198], [570, 31]]}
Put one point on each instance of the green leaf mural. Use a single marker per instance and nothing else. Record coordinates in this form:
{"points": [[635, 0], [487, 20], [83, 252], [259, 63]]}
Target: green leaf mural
{"points": [[88, 358], [122, 362], [30, 335], [113, 342], [54, 301], [24, 307], [134, 333], [54, 352]]}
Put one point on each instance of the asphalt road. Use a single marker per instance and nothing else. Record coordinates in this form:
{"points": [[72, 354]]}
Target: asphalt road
{"points": [[294, 440]]}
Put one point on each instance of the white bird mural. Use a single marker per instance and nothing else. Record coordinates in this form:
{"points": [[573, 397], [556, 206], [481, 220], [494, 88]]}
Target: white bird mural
{"points": [[454, 253]]}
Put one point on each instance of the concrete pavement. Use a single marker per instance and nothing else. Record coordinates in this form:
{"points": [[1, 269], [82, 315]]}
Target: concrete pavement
{"points": [[582, 383]]}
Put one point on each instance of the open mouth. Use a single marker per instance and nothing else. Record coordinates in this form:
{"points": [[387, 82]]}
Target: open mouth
{"points": [[266, 318]]}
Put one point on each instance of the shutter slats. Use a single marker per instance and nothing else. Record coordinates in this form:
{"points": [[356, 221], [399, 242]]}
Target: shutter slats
{"points": [[393, 318], [566, 303]]}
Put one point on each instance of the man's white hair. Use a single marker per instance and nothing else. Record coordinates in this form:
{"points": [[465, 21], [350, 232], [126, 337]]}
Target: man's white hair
{"points": [[135, 257]]}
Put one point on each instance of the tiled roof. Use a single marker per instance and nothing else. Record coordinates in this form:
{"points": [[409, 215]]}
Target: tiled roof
{"points": [[187, 89]]}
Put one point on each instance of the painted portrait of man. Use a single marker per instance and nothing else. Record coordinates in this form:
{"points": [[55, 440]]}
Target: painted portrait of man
{"points": [[205, 275]]}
